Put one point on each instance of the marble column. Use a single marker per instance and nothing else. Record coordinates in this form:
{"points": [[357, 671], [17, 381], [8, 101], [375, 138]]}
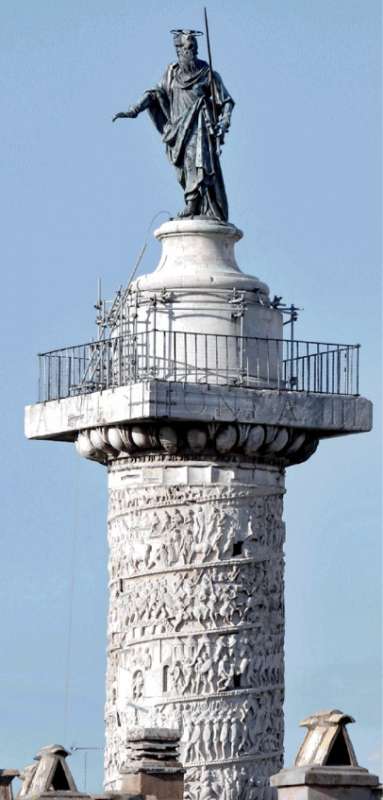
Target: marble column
{"points": [[196, 617], [195, 408]]}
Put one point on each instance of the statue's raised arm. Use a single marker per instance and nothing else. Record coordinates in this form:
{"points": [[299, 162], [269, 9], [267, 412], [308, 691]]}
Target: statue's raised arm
{"points": [[193, 127]]}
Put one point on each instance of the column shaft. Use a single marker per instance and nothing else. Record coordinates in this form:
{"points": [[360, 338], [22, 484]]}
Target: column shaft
{"points": [[196, 620]]}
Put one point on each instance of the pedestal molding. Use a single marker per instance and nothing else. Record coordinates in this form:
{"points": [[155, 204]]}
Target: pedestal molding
{"points": [[248, 443]]}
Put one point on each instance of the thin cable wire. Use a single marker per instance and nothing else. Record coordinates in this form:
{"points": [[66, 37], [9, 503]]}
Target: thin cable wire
{"points": [[68, 657], [142, 251]]}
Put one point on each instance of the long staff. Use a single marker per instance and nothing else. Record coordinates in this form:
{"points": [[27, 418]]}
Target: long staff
{"points": [[212, 89]]}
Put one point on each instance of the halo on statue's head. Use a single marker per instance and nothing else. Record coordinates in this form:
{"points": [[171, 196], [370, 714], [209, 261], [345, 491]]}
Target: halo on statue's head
{"points": [[186, 32], [182, 35]]}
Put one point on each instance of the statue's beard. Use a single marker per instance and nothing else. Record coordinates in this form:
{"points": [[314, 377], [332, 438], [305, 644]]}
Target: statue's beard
{"points": [[188, 63]]}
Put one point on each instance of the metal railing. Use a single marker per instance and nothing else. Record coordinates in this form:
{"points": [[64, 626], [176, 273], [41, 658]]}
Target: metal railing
{"points": [[187, 357]]}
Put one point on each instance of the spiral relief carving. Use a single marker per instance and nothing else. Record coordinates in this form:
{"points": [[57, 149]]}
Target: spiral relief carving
{"points": [[196, 619]]}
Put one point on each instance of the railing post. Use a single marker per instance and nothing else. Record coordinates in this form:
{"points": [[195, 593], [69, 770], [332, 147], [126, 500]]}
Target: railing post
{"points": [[39, 381], [146, 339], [268, 362], [338, 370], [69, 374], [348, 371], [280, 363], [129, 358], [154, 367], [59, 377], [49, 377], [286, 364], [185, 364], [357, 368], [110, 362]]}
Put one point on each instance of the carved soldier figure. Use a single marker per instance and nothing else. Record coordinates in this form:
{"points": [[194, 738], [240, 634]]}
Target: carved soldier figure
{"points": [[191, 108], [137, 685]]}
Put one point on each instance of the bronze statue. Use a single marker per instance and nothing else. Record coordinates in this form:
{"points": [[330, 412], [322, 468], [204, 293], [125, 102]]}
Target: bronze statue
{"points": [[191, 109]]}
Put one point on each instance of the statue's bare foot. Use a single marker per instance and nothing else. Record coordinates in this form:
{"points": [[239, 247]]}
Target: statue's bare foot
{"points": [[190, 209], [187, 212]]}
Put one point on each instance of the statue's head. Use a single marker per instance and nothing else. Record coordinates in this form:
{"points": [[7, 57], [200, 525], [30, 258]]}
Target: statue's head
{"points": [[185, 42]]}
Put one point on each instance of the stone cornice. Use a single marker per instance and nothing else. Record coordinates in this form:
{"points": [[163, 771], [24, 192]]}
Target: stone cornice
{"points": [[324, 414]]}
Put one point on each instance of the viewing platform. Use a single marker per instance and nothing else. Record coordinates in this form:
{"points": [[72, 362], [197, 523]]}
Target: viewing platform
{"points": [[202, 358], [182, 375]]}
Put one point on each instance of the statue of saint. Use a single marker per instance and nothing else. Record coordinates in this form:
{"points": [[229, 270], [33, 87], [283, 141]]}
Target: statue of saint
{"points": [[191, 109]]}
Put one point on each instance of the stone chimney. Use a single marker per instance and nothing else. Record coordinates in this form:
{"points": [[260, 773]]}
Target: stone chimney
{"points": [[151, 765], [49, 776], [6, 778], [326, 767]]}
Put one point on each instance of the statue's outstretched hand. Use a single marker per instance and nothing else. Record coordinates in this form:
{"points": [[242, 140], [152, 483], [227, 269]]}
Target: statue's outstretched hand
{"points": [[130, 113]]}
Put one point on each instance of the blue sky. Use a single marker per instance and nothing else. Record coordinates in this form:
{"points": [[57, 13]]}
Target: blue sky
{"points": [[302, 166]]}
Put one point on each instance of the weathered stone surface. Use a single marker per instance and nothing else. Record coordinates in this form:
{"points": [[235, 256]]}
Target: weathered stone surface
{"points": [[161, 736], [196, 617], [279, 446], [50, 773], [326, 783], [196, 481], [329, 415], [157, 786], [324, 776], [6, 778], [326, 766], [324, 793], [198, 254], [327, 741]]}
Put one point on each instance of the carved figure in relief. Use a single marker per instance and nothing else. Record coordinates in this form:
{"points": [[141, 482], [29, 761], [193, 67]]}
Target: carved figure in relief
{"points": [[207, 738], [216, 738], [193, 735], [147, 659], [178, 678], [209, 788], [211, 599], [155, 524], [200, 524], [226, 672], [234, 735], [202, 665], [224, 738], [204, 533], [148, 558], [176, 520]]}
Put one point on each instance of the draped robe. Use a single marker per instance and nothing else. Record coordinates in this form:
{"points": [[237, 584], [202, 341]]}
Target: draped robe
{"points": [[181, 108]]}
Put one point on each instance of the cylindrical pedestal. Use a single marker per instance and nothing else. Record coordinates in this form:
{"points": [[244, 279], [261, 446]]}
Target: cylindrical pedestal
{"points": [[197, 318], [196, 620]]}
